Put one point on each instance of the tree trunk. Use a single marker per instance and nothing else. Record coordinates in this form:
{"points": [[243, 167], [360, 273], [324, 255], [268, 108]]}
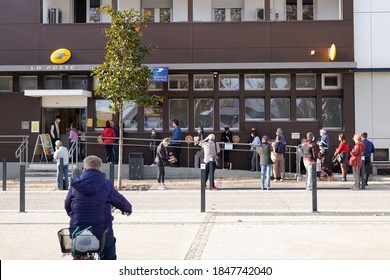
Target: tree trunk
{"points": [[120, 146]]}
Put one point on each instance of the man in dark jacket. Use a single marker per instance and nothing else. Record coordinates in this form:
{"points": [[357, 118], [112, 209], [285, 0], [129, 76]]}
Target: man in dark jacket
{"points": [[89, 203]]}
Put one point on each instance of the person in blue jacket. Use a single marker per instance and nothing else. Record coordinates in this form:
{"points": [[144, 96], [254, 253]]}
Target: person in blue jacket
{"points": [[176, 139], [89, 202]]}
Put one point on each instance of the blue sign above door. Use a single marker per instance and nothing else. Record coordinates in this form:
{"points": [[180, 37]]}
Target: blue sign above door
{"points": [[160, 74]]}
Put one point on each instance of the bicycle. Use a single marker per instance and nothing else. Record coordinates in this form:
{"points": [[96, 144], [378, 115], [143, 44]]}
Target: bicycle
{"points": [[82, 244]]}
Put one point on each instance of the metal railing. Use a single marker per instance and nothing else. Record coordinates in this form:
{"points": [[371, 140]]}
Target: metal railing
{"points": [[292, 157], [21, 151]]}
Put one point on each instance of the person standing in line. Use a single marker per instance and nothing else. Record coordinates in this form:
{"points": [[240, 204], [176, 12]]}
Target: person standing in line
{"points": [[309, 149], [227, 137], [74, 134], [176, 141], [356, 160], [370, 149], [253, 155], [108, 136], [161, 160], [264, 152], [62, 153], [277, 155], [343, 150], [55, 132], [324, 145], [279, 132], [89, 202], [198, 158], [211, 151], [115, 148]]}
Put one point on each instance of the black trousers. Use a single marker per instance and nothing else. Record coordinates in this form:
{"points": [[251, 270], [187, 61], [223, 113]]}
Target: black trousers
{"points": [[160, 172]]}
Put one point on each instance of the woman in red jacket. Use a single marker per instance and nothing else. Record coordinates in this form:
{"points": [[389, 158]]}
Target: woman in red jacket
{"points": [[108, 136], [343, 150], [356, 159]]}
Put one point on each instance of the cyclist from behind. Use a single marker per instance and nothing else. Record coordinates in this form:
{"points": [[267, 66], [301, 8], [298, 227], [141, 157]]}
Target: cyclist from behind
{"points": [[89, 201]]}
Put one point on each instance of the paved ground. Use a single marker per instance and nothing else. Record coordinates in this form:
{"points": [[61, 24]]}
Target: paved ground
{"points": [[241, 222]]}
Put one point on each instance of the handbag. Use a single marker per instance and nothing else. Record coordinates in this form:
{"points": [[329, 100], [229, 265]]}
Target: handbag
{"points": [[336, 159], [84, 241]]}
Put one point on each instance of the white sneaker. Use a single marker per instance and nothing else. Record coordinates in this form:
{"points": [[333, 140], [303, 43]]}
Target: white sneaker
{"points": [[281, 180], [162, 187], [275, 180]]}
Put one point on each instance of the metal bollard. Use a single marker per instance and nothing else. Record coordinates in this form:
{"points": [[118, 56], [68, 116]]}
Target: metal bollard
{"points": [[202, 187], [22, 194], [4, 174], [61, 174], [314, 187], [363, 173], [112, 171]]}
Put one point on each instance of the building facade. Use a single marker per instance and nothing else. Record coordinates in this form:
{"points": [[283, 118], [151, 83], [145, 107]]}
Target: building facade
{"points": [[245, 63]]}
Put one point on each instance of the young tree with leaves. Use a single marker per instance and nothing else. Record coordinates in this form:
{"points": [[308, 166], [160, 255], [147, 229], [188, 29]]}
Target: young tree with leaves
{"points": [[122, 77]]}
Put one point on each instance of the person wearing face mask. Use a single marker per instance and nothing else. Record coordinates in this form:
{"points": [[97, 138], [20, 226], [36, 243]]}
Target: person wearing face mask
{"points": [[152, 144], [253, 156], [55, 132], [198, 159], [162, 159], [227, 137], [324, 145]]}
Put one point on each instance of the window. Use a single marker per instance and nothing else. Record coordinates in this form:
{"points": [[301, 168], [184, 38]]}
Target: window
{"points": [[153, 118], [204, 82], [102, 112], [306, 108], [53, 82], [178, 82], [331, 112], [219, 14], [6, 83], [291, 10], [280, 81], [254, 109], [307, 10], [150, 14], [229, 112], [156, 86], [227, 14], [178, 109], [28, 82], [280, 108], [94, 13], [331, 81], [78, 82], [254, 82], [130, 111], [236, 14], [160, 11], [165, 15], [204, 113], [305, 81], [229, 82]]}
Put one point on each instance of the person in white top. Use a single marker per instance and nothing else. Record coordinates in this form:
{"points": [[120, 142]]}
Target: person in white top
{"points": [[62, 153], [211, 151]]}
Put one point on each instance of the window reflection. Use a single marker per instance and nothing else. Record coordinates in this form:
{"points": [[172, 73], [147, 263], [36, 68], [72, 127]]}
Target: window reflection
{"points": [[178, 109], [130, 111], [102, 112], [153, 117], [280, 108], [229, 112], [254, 109], [204, 113], [331, 112], [306, 108]]}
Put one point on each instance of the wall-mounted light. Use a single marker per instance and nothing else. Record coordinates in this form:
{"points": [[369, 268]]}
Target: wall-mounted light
{"points": [[312, 52], [215, 74], [332, 52]]}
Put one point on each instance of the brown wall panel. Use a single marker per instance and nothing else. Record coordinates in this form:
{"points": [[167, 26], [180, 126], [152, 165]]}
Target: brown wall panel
{"points": [[12, 11], [19, 37]]}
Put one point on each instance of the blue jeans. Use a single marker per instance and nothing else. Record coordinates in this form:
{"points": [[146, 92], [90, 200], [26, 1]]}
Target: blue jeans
{"points": [[210, 170], [266, 171], [65, 174], [109, 252]]}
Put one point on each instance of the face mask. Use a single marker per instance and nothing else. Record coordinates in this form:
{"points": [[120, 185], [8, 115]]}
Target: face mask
{"points": [[252, 135], [153, 133], [58, 120], [199, 131], [226, 128]]}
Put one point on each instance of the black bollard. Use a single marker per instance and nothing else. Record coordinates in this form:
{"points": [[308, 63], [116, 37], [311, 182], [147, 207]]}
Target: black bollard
{"points": [[202, 187], [363, 171], [4, 174], [314, 187], [61, 174], [22, 195], [112, 171]]}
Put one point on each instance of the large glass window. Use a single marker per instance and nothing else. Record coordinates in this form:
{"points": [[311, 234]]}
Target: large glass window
{"points": [[178, 82], [305, 81], [28, 82], [102, 112], [229, 112], [254, 82], [178, 109], [156, 86], [280, 108], [306, 108], [331, 112], [219, 14], [78, 82], [53, 82], [153, 118], [204, 82], [5, 83], [280, 81], [229, 82], [204, 113], [130, 111], [254, 109]]}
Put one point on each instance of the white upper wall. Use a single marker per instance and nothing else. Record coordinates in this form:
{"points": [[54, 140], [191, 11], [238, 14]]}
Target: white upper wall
{"points": [[129, 4], [372, 25], [180, 10]]}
